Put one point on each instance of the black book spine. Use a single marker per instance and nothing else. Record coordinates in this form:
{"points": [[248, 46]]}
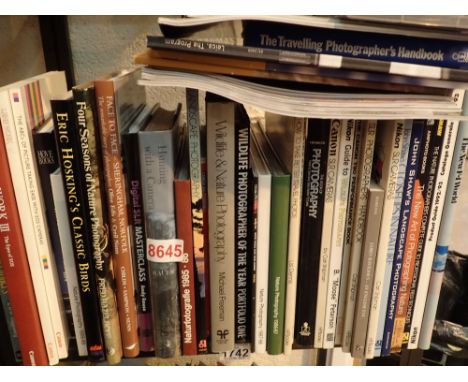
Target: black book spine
{"points": [[69, 153], [242, 224], [7, 356], [315, 169], [138, 234], [435, 151], [10, 352]]}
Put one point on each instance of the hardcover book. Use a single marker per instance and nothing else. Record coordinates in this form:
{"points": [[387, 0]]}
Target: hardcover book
{"points": [[365, 167], [414, 154], [91, 167], [117, 98], [20, 276], [17, 124], [422, 197], [279, 223], [137, 219], [327, 228], [197, 169], [184, 230], [70, 156], [441, 251], [338, 232], [157, 143], [375, 200], [437, 150], [226, 122], [261, 176], [313, 196], [434, 220], [288, 135], [393, 138], [63, 223], [340, 316]]}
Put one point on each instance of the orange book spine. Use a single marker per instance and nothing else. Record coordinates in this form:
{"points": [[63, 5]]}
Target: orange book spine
{"points": [[16, 268], [118, 215], [186, 268], [407, 269]]}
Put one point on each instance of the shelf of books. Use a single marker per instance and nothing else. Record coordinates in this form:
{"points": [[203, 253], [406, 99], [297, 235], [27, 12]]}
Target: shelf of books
{"points": [[294, 208]]}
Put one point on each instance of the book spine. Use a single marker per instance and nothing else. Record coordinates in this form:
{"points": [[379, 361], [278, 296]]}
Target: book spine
{"points": [[429, 191], [262, 251], [22, 197], [392, 180], [280, 193], [337, 61], [443, 240], [294, 230], [254, 232], [157, 175], [375, 201], [411, 245], [200, 246], [339, 222], [220, 160], [47, 163], [313, 195], [18, 276], [69, 153], [365, 168], [327, 227], [183, 208], [406, 49], [91, 167], [63, 224], [9, 321], [142, 279], [391, 250], [118, 216], [432, 231], [242, 242], [36, 202], [414, 154], [347, 239]]}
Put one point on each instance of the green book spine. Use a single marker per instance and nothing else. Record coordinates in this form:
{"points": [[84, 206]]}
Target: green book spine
{"points": [[280, 192]]}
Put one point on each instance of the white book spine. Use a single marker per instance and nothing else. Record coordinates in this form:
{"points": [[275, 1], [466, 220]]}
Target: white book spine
{"points": [[339, 224], [445, 232], [58, 194], [22, 200], [220, 159], [366, 157], [392, 181], [263, 254], [435, 217], [300, 127], [36, 204], [329, 203]]}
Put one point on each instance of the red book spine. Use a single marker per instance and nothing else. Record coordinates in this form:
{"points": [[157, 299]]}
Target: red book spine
{"points": [[16, 268], [186, 268]]}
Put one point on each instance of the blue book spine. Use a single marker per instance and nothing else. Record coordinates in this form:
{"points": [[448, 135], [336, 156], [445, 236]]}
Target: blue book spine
{"points": [[376, 46], [411, 173]]}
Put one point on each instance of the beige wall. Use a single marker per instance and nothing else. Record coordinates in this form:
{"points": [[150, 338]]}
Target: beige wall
{"points": [[102, 44], [20, 48]]}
